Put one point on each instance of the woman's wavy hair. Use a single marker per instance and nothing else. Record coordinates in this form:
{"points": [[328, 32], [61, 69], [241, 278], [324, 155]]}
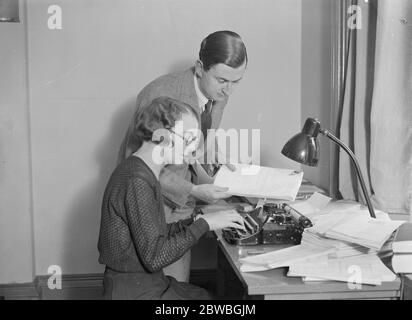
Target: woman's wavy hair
{"points": [[161, 113]]}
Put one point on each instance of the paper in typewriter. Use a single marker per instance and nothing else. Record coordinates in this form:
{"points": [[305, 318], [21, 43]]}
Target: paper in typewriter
{"points": [[260, 182]]}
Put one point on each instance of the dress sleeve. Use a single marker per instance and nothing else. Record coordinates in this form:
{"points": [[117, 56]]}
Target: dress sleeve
{"points": [[175, 189], [156, 244]]}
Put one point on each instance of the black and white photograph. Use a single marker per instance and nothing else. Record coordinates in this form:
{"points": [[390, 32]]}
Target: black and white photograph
{"points": [[219, 151]]}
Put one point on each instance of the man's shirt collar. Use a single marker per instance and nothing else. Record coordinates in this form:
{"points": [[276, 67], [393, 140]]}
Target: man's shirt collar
{"points": [[202, 100]]}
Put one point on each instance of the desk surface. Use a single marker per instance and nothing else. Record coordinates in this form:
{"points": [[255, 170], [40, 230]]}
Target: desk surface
{"points": [[274, 284], [408, 287]]}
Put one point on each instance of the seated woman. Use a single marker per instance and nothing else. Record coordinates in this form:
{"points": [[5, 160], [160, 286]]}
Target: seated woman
{"points": [[135, 243]]}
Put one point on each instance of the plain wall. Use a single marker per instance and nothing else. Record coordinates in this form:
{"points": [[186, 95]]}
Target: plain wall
{"points": [[16, 237], [82, 84], [316, 80]]}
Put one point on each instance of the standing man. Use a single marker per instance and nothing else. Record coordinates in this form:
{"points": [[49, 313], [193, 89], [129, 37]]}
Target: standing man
{"points": [[206, 87]]}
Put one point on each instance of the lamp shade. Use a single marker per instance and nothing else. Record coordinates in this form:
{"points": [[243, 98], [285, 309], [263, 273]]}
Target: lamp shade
{"points": [[304, 147]]}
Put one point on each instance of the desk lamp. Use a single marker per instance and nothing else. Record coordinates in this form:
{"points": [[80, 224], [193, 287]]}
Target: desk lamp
{"points": [[304, 148]]}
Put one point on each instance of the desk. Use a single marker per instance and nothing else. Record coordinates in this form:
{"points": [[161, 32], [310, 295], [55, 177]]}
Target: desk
{"points": [[275, 285], [407, 295]]}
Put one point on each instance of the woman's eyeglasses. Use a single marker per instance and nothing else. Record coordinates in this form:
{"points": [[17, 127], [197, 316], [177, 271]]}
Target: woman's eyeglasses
{"points": [[188, 140]]}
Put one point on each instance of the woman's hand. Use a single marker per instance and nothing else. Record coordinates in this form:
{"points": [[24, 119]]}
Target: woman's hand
{"points": [[224, 219]]}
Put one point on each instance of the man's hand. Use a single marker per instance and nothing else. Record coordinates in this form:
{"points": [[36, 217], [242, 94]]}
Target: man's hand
{"points": [[209, 192]]}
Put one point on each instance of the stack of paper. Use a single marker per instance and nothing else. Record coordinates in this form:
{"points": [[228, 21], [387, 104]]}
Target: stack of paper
{"points": [[260, 182], [342, 248], [343, 245], [365, 269], [283, 258], [322, 264], [356, 227], [312, 206]]}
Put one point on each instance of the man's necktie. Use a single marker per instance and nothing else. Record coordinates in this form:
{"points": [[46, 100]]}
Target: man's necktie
{"points": [[206, 123], [206, 118]]}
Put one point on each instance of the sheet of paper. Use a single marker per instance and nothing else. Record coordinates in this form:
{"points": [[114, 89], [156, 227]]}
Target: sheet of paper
{"points": [[246, 267], [343, 248], [326, 222], [365, 231], [283, 257], [366, 269], [309, 188], [260, 182], [311, 279], [311, 206]]}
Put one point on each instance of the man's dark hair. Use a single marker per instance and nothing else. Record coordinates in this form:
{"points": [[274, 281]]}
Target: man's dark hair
{"points": [[222, 47]]}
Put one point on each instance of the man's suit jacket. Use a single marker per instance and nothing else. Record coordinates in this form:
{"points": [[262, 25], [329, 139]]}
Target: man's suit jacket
{"points": [[174, 179]]}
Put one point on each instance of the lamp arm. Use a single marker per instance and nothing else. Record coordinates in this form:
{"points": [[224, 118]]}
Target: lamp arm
{"points": [[357, 168]]}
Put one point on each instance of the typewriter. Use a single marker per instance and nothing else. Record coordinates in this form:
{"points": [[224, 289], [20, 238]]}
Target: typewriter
{"points": [[274, 223]]}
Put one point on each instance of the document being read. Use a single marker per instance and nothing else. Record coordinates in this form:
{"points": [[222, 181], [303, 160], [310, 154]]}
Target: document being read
{"points": [[260, 182]]}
